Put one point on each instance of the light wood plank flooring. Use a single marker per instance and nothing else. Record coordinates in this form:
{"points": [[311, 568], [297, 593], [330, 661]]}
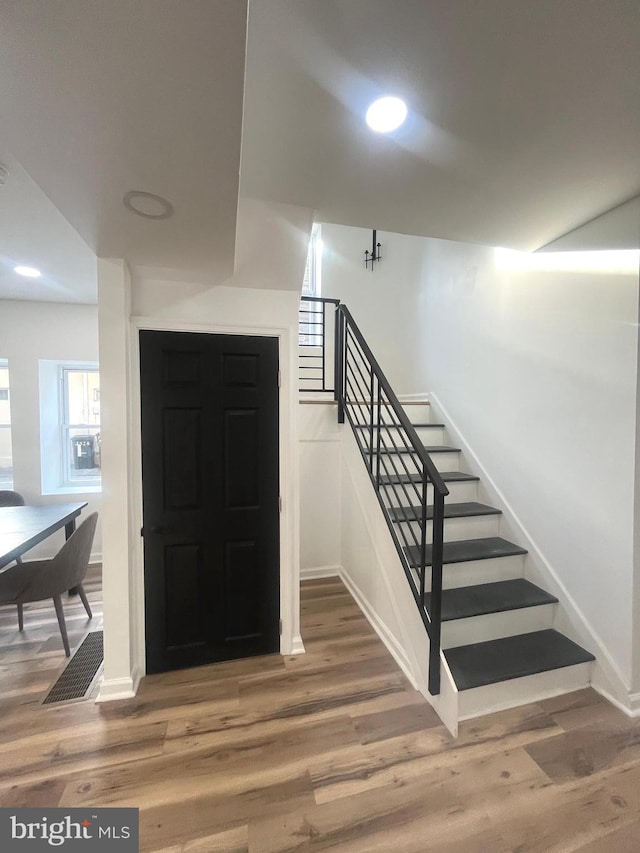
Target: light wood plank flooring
{"points": [[332, 750]]}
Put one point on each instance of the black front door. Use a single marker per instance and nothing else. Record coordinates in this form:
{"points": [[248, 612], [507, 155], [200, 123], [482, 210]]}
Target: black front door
{"points": [[210, 496]]}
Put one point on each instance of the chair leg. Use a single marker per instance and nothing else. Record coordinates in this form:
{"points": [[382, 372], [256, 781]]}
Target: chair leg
{"points": [[57, 600], [20, 618], [83, 598]]}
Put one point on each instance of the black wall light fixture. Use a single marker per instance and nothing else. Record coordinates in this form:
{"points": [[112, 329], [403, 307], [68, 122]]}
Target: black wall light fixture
{"points": [[374, 254]]}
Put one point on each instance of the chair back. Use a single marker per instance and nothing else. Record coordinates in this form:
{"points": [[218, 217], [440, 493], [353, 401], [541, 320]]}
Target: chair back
{"points": [[69, 566], [10, 498]]}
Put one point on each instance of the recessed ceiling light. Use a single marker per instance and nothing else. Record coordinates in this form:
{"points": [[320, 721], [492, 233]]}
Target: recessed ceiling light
{"points": [[386, 114], [29, 272], [150, 205]]}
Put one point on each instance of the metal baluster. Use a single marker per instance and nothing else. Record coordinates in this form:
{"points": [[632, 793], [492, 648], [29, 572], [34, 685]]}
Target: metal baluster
{"points": [[372, 378], [436, 593], [322, 309], [379, 437], [341, 363], [423, 535]]}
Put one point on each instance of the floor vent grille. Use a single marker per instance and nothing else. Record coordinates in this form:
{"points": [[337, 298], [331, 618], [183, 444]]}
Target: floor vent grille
{"points": [[80, 671]]}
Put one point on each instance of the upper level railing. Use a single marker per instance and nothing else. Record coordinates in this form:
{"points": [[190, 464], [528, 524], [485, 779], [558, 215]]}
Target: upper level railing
{"points": [[317, 324], [407, 484]]}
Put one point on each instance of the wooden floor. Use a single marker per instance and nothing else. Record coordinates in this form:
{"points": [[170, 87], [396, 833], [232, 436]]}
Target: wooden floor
{"points": [[332, 750]]}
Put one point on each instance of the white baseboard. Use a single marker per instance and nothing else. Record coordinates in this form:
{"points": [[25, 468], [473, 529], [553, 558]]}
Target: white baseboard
{"points": [[119, 688], [583, 632], [317, 572], [297, 646], [389, 640], [631, 710]]}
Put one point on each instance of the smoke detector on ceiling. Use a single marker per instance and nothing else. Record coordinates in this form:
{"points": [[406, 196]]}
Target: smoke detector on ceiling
{"points": [[4, 174]]}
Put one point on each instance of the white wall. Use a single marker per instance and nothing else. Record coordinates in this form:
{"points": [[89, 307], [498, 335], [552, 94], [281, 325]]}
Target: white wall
{"points": [[537, 370], [383, 301], [320, 488], [343, 532], [30, 331]]}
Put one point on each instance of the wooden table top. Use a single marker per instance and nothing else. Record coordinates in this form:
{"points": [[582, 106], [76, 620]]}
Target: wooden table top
{"points": [[22, 527]]}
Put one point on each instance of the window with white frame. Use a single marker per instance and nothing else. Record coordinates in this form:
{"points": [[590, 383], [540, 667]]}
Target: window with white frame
{"points": [[70, 426], [307, 330], [6, 451], [311, 282], [80, 425]]}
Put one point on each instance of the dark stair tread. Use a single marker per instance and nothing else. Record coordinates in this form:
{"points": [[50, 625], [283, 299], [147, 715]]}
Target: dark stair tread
{"points": [[447, 476], [497, 597], [465, 550], [479, 664], [435, 448], [466, 509]]}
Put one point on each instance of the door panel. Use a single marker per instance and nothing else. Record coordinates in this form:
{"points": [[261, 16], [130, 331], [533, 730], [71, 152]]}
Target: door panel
{"points": [[210, 496]]}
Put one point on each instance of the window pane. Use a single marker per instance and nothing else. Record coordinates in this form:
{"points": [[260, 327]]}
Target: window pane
{"points": [[6, 454], [81, 429], [83, 448], [83, 397]]}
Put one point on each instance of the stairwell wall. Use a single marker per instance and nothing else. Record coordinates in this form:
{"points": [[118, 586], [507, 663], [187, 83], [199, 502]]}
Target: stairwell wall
{"points": [[536, 368]]}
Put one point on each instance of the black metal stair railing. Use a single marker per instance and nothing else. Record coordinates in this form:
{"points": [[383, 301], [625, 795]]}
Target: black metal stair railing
{"points": [[406, 481], [317, 331], [407, 484]]}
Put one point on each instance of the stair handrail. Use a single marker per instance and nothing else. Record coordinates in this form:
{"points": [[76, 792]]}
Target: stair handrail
{"points": [[432, 617], [424, 457]]}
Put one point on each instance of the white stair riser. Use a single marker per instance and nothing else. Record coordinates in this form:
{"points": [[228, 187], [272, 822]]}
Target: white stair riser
{"points": [[428, 436], [476, 527], [409, 494], [522, 691], [408, 462], [492, 626], [417, 413], [477, 571], [481, 571]]}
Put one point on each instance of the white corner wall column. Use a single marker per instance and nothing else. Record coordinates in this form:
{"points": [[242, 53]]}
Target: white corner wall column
{"points": [[635, 652], [120, 677]]}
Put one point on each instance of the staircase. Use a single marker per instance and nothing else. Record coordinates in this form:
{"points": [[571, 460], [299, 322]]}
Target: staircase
{"points": [[497, 627], [494, 627]]}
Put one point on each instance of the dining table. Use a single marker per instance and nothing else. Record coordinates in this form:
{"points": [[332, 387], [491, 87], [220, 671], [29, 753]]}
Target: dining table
{"points": [[23, 527]]}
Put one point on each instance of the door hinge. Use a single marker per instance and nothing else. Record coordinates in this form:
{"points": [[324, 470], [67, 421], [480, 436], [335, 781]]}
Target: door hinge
{"points": [[280, 627], [279, 379], [142, 531], [279, 504]]}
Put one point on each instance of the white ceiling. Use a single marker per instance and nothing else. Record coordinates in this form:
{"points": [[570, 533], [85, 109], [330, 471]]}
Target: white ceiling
{"points": [[34, 233], [524, 122], [102, 97], [617, 229], [524, 116]]}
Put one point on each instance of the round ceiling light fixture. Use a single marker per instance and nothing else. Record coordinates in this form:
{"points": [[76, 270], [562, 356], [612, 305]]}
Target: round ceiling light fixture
{"points": [[27, 272], [386, 114], [149, 205]]}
